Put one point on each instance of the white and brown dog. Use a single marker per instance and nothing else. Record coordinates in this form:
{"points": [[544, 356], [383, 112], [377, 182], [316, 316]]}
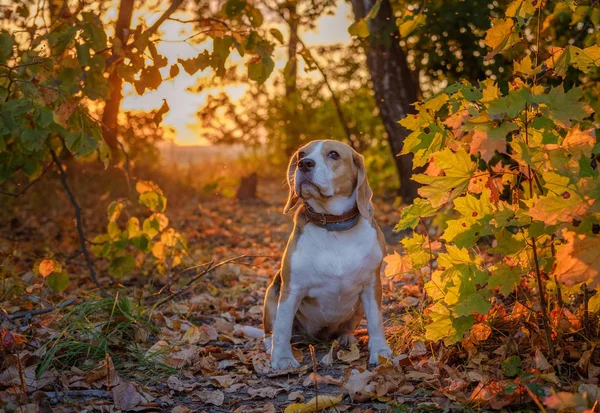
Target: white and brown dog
{"points": [[329, 275]]}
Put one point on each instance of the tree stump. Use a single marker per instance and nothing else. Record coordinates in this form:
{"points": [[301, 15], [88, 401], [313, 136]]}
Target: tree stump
{"points": [[247, 188]]}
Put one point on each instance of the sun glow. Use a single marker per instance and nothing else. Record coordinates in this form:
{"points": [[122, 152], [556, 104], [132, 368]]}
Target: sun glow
{"points": [[179, 94]]}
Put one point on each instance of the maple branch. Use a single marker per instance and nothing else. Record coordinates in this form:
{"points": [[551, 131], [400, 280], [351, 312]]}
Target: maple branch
{"points": [[538, 276], [86, 254]]}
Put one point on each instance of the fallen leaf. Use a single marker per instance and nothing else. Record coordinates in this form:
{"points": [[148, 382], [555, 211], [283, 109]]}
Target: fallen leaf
{"points": [[263, 392], [215, 397], [296, 396], [125, 396], [315, 404], [418, 349], [261, 364], [349, 356], [201, 335]]}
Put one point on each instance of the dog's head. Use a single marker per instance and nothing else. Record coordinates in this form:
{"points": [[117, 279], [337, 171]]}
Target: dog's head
{"points": [[327, 173]]}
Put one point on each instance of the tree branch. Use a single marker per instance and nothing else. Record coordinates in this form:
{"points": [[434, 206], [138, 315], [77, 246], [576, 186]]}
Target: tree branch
{"points": [[174, 6], [86, 254]]}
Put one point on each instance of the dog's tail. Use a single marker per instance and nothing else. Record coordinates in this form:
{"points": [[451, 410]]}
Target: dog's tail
{"points": [[253, 332]]}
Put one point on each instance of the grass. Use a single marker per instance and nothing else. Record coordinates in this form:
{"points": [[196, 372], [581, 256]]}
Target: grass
{"points": [[98, 327]]}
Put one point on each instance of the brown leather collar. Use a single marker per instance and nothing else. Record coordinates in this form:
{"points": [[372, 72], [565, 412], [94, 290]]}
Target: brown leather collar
{"points": [[329, 221]]}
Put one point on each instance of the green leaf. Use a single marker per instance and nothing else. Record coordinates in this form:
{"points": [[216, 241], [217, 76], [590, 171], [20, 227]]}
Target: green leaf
{"points": [[93, 31], [32, 140], [256, 17], [563, 107], [359, 29], [6, 46], [474, 303], [80, 143], [505, 277], [511, 105], [277, 34], [512, 366], [62, 38], [261, 70], [234, 8], [420, 208], [58, 281], [121, 266]]}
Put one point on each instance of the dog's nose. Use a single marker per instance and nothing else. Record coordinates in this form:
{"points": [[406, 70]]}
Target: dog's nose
{"points": [[305, 164]]}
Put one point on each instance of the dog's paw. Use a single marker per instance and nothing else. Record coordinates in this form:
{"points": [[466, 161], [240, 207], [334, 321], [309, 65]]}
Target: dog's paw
{"points": [[346, 339], [284, 363], [382, 350]]}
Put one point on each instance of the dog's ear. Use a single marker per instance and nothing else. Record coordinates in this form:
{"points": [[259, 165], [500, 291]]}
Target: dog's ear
{"points": [[363, 189], [291, 181]]}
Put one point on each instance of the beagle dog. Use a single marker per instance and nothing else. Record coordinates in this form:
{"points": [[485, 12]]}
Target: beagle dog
{"points": [[329, 276]]}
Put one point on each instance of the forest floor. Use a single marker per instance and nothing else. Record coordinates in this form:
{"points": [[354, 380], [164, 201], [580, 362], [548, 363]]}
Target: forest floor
{"points": [[198, 351]]}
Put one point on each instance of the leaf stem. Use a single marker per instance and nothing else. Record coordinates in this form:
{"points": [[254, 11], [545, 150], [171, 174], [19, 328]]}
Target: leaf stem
{"points": [[545, 322]]}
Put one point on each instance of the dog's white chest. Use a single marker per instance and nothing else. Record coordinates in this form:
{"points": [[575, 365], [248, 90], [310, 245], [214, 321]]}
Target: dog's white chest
{"points": [[335, 260]]}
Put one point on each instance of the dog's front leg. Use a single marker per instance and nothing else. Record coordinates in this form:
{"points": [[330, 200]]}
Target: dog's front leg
{"points": [[371, 300], [281, 353]]}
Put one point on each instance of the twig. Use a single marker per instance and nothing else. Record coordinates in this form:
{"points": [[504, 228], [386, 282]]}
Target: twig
{"points": [[558, 288], [538, 276], [29, 185], [208, 269], [315, 381], [86, 254], [22, 377], [535, 399], [586, 317], [31, 313]]}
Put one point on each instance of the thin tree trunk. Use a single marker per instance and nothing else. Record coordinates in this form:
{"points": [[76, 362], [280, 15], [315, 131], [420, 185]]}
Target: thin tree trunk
{"points": [[110, 115], [291, 77], [394, 86]]}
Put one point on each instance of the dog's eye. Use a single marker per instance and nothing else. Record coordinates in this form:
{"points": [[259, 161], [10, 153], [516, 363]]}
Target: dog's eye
{"points": [[301, 155], [333, 155]]}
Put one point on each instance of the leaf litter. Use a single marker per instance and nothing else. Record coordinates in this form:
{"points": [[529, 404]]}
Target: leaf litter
{"points": [[203, 351]]}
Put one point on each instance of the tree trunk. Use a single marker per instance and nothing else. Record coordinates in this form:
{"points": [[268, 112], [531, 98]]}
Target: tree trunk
{"points": [[393, 84], [291, 78], [110, 115]]}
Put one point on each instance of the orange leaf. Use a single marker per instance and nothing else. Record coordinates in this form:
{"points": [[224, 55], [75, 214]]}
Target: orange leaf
{"points": [[46, 268]]}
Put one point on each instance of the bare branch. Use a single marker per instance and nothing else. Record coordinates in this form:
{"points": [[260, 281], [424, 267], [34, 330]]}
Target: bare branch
{"points": [[86, 253]]}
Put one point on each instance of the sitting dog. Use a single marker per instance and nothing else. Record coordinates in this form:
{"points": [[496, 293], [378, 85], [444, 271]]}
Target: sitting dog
{"points": [[329, 276]]}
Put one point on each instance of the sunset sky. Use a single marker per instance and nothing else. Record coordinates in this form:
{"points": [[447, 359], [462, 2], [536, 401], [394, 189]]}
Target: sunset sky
{"points": [[184, 104]]}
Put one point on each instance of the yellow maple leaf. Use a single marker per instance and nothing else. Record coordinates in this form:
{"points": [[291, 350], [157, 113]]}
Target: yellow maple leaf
{"points": [[501, 36], [397, 264]]}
